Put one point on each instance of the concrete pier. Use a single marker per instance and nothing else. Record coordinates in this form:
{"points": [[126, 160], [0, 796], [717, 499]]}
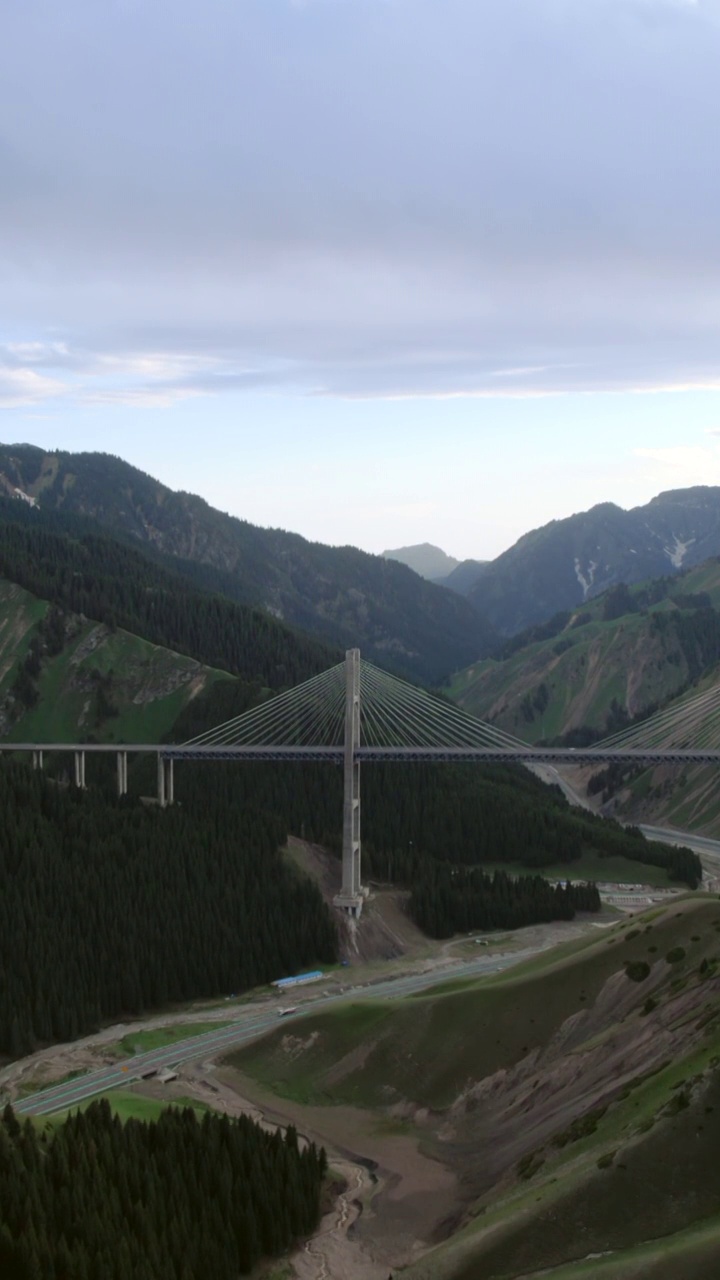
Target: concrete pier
{"points": [[122, 783], [80, 770], [166, 782]]}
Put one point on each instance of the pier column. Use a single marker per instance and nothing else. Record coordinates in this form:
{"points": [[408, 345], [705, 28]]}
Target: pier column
{"points": [[166, 782], [37, 757], [122, 773], [80, 770], [352, 895]]}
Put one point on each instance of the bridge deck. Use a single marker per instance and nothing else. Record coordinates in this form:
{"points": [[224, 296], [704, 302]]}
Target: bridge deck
{"points": [[335, 754]]}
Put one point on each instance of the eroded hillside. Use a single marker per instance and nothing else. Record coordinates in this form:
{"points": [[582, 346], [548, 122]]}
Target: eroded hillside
{"points": [[567, 1090]]}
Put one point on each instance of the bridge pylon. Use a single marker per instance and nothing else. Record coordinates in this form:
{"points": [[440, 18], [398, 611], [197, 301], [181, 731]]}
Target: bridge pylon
{"points": [[352, 894]]}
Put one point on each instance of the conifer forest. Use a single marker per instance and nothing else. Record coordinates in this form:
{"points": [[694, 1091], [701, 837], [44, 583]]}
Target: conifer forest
{"points": [[177, 1199]]}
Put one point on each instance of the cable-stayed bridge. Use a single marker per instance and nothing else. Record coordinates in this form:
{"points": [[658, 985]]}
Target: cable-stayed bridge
{"points": [[355, 713]]}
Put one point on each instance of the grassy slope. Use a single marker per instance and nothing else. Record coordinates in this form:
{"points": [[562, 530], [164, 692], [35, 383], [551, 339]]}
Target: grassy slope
{"points": [[483, 1026], [161, 1037], [606, 660], [149, 685], [19, 615], [661, 1175], [592, 866], [126, 1105], [686, 798]]}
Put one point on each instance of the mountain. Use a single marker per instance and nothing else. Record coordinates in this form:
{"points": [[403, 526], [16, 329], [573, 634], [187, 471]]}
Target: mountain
{"points": [[429, 561], [66, 561], [466, 574], [622, 657], [567, 562], [341, 594], [592, 671]]}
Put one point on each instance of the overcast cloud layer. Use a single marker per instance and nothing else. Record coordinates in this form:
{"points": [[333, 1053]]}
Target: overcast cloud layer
{"points": [[357, 198]]}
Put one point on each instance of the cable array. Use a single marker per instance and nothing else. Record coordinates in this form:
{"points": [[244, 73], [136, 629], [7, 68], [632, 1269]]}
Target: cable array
{"points": [[392, 714], [311, 715], [693, 723], [396, 714]]}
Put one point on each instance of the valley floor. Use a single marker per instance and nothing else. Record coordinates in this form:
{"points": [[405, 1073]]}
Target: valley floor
{"points": [[398, 1191]]}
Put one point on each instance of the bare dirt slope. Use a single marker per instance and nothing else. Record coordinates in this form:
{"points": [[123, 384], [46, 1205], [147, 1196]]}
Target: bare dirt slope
{"points": [[384, 931]]}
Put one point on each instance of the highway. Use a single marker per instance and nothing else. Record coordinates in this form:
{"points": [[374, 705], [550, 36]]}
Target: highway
{"points": [[708, 849], [668, 835], [252, 1023], [248, 1026]]}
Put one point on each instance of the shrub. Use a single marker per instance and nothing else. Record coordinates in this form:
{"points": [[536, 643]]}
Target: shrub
{"points": [[679, 1102], [530, 1164], [580, 1128], [637, 970], [675, 955]]}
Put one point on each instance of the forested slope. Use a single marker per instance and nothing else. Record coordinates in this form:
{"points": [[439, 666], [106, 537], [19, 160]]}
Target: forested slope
{"points": [[110, 907], [420, 817], [85, 572], [178, 1199]]}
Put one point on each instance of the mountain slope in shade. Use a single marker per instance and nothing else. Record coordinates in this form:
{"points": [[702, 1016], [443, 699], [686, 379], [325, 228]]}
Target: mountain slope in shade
{"points": [[466, 575], [570, 561], [339, 593], [429, 561]]}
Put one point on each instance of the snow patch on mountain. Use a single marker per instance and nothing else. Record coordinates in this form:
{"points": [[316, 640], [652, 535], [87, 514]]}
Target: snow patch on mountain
{"points": [[677, 554], [25, 497], [585, 583]]}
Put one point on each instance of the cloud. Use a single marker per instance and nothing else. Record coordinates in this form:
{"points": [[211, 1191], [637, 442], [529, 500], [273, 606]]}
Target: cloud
{"points": [[388, 198], [22, 388]]}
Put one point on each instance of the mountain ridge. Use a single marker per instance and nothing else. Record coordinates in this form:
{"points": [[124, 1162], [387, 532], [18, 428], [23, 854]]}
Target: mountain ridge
{"points": [[567, 562], [341, 595]]}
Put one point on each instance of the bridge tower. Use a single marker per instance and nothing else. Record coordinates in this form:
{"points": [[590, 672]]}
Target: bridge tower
{"points": [[352, 895]]}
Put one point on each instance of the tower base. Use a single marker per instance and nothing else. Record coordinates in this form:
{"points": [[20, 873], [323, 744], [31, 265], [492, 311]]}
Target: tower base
{"points": [[352, 903]]}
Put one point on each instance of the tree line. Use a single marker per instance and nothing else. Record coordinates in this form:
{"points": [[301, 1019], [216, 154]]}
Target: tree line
{"points": [[176, 1199], [447, 900]]}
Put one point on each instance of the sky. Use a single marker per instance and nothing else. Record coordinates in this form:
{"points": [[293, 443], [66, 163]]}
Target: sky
{"points": [[377, 271]]}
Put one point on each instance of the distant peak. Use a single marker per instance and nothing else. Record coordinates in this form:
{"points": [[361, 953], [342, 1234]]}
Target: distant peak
{"points": [[424, 558]]}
